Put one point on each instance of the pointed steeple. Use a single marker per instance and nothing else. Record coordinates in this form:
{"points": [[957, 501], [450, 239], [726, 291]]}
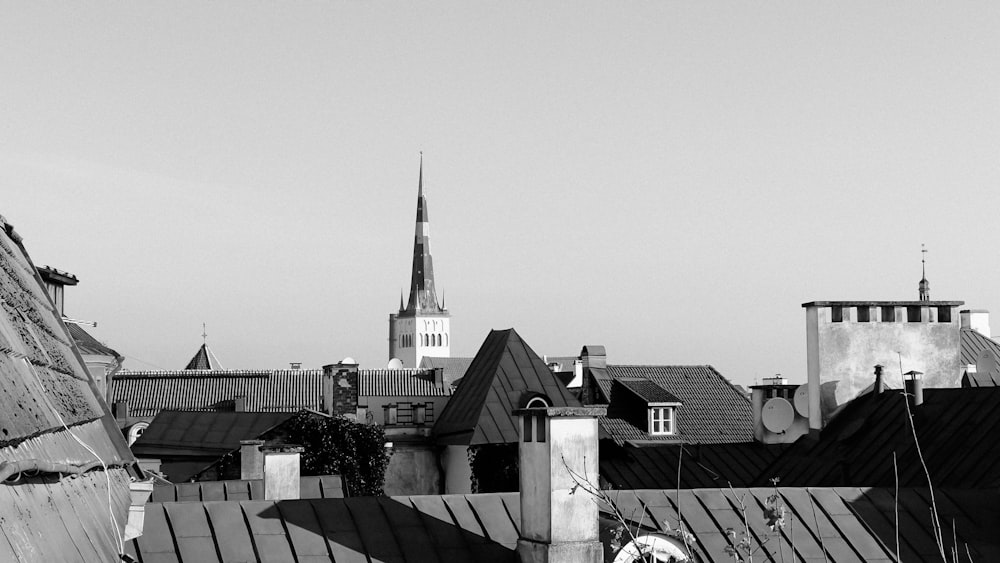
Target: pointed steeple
{"points": [[423, 298], [925, 286]]}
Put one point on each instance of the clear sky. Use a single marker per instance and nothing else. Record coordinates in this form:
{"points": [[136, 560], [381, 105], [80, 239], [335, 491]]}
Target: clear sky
{"points": [[669, 179]]}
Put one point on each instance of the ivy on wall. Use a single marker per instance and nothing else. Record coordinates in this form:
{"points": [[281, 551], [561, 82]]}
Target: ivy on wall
{"points": [[494, 468]]}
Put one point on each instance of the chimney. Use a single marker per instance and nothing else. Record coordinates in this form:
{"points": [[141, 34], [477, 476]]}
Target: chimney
{"points": [[121, 410], [295, 365], [558, 452], [976, 319], [879, 383], [592, 357], [281, 472], [251, 459], [914, 383], [439, 378], [239, 404], [340, 388]]}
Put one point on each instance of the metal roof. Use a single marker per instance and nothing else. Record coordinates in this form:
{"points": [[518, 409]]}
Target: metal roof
{"points": [[505, 373], [454, 368], [87, 344], [712, 409], [201, 360], [390, 383], [973, 343], [321, 486], [701, 465], [820, 524], [204, 432], [49, 405], [286, 390], [957, 429]]}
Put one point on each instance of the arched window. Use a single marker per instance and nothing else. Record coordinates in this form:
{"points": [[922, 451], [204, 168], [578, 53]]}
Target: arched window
{"points": [[439, 340], [446, 339], [424, 339], [537, 403]]}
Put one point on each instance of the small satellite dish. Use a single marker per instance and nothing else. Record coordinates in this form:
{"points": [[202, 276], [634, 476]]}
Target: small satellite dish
{"points": [[801, 400], [777, 415], [394, 363], [986, 362]]}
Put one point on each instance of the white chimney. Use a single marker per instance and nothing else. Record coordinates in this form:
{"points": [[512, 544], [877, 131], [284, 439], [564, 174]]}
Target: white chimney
{"points": [[281, 472], [976, 319], [251, 459], [559, 522]]}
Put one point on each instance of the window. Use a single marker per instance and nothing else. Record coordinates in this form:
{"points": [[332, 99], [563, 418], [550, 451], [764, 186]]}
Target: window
{"points": [[390, 414], [419, 414], [661, 420], [864, 314], [837, 314], [944, 314], [913, 314], [888, 314]]}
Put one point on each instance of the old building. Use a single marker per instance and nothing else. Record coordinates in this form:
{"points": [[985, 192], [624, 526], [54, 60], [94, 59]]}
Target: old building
{"points": [[422, 327]]}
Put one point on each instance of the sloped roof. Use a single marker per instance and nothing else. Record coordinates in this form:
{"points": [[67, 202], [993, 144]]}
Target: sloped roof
{"points": [[702, 465], [49, 402], [321, 486], [978, 379], [87, 344], [957, 429], [820, 524], [649, 391], [201, 359], [288, 390], [203, 432], [502, 377], [389, 383], [454, 368], [712, 409], [973, 343]]}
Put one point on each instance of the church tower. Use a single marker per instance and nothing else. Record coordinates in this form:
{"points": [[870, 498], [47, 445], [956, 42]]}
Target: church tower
{"points": [[422, 326]]}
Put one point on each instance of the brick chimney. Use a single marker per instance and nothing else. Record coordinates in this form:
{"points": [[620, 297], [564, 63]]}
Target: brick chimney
{"points": [[340, 388], [251, 459], [281, 472], [559, 522]]}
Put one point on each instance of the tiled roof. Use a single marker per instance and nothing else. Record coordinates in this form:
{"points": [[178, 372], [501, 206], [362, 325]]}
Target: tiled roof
{"points": [[621, 431], [973, 343], [201, 359], [454, 368], [87, 344], [392, 383], [45, 389], [712, 410], [503, 376], [649, 391], [324, 486], [149, 392], [702, 465], [205, 432], [820, 524], [957, 429]]}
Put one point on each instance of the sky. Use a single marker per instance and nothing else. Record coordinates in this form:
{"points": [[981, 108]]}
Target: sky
{"points": [[671, 180]]}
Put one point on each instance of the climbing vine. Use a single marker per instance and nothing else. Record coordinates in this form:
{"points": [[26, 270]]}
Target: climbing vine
{"points": [[494, 468]]}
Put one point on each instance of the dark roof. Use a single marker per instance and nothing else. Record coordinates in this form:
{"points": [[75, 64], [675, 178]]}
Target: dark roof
{"points": [[884, 304], [820, 524], [649, 391], [621, 430], [503, 376], [957, 429], [324, 486], [205, 432], [974, 343], [454, 368], [201, 359], [45, 389], [702, 465], [712, 409], [976, 379], [87, 344], [288, 390]]}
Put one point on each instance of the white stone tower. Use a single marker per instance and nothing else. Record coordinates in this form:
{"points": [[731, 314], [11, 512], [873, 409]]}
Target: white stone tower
{"points": [[422, 327]]}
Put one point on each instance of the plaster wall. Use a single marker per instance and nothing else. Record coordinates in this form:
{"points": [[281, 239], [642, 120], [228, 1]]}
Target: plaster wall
{"points": [[413, 470], [376, 406], [281, 476], [457, 471], [842, 354]]}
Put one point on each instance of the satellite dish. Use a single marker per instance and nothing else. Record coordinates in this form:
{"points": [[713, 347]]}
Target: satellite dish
{"points": [[986, 362], [394, 363], [777, 415], [801, 400]]}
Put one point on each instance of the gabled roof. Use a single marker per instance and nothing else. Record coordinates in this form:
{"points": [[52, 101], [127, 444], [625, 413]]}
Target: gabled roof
{"points": [[201, 359], [957, 429], [203, 432], [649, 391], [322, 486], [288, 390], [503, 376], [820, 524], [49, 405], [712, 409]]}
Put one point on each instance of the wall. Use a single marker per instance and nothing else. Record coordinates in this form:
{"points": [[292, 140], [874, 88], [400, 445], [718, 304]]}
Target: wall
{"points": [[457, 471], [413, 470], [842, 355], [413, 328], [375, 406]]}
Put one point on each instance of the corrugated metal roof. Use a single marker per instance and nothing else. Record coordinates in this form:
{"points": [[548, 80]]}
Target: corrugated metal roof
{"points": [[149, 392], [505, 373], [957, 428], [203, 431], [712, 409], [317, 486], [392, 383], [48, 404], [820, 524]]}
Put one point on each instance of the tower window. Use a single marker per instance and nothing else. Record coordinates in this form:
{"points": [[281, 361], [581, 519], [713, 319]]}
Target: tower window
{"points": [[913, 314], [888, 314], [944, 314], [864, 314], [837, 314]]}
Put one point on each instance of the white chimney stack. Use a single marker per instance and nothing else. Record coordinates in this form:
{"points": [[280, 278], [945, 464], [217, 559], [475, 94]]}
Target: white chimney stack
{"points": [[976, 319], [281, 472]]}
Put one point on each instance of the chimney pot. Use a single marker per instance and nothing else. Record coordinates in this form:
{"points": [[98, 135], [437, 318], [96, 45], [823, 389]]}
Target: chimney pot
{"points": [[879, 387], [914, 382], [281, 471], [251, 459]]}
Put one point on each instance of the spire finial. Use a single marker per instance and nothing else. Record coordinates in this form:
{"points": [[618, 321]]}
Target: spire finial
{"points": [[924, 287], [204, 334]]}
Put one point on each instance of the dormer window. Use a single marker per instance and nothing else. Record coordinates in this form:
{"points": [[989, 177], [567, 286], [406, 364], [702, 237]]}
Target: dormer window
{"points": [[661, 420]]}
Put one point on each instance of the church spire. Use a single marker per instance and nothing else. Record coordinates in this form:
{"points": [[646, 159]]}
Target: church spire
{"points": [[422, 295], [925, 286]]}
